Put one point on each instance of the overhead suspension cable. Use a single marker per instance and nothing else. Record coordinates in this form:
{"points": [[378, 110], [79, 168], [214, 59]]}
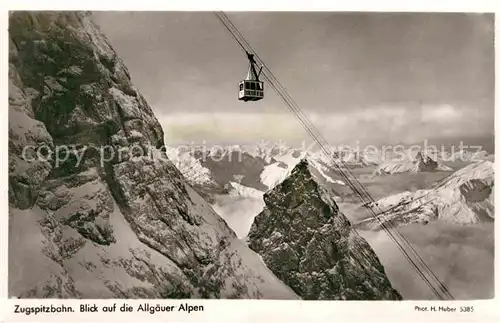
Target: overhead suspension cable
{"points": [[356, 186], [302, 119]]}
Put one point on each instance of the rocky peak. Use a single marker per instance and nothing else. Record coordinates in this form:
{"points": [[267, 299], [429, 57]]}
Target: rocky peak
{"points": [[424, 162], [309, 244], [420, 163]]}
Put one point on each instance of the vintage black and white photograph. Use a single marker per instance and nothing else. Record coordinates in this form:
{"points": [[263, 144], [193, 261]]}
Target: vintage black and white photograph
{"points": [[278, 155]]}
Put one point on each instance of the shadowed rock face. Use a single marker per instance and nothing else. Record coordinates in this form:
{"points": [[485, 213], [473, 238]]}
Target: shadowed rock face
{"points": [[113, 223], [308, 244]]}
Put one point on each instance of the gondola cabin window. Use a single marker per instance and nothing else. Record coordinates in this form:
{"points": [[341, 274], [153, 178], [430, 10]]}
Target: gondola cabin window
{"points": [[251, 90]]}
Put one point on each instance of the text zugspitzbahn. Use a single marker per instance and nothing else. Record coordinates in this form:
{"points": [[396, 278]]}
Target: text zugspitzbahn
{"points": [[94, 308]]}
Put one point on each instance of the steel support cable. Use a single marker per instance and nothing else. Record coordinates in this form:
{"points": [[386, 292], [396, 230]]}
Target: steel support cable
{"points": [[359, 189], [281, 91], [318, 141], [326, 152], [366, 194]]}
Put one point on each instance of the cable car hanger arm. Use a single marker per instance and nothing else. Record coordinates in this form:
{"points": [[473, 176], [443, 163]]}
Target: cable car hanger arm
{"points": [[252, 65]]}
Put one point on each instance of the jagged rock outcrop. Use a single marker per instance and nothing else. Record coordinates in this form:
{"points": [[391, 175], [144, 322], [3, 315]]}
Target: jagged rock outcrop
{"points": [[310, 245], [107, 215], [464, 197], [424, 163]]}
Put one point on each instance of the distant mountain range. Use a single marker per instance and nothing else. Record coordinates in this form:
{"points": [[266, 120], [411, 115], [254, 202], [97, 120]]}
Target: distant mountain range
{"points": [[252, 170], [263, 166], [420, 163]]}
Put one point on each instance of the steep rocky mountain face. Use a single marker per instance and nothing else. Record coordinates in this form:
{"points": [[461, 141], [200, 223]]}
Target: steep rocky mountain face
{"points": [[420, 163], [113, 223], [464, 197], [310, 245]]}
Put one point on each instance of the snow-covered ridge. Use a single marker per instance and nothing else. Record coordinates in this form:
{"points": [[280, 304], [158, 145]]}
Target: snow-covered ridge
{"points": [[189, 166], [251, 166], [278, 159], [464, 197]]}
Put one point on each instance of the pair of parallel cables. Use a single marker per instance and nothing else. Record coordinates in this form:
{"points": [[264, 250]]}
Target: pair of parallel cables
{"points": [[423, 270]]}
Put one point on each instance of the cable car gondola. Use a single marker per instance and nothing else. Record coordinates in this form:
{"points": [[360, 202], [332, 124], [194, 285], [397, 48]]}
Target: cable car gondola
{"points": [[251, 88]]}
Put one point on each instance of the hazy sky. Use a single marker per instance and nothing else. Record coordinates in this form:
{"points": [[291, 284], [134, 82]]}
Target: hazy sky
{"points": [[365, 76]]}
